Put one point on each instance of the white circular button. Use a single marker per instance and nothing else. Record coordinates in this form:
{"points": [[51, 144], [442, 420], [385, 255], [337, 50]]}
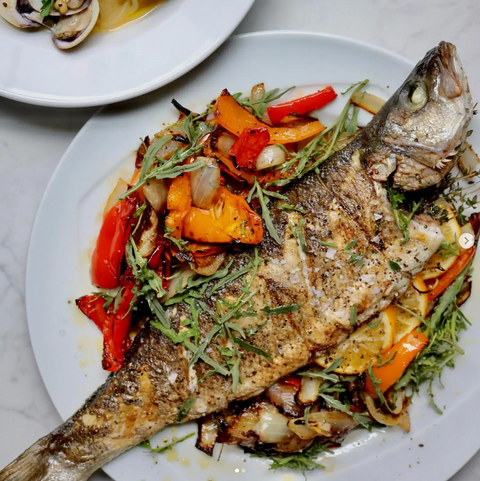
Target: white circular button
{"points": [[466, 240]]}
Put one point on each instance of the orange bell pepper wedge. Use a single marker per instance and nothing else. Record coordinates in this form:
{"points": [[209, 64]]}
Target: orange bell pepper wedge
{"points": [[446, 279], [233, 117], [179, 201], [404, 352], [232, 221]]}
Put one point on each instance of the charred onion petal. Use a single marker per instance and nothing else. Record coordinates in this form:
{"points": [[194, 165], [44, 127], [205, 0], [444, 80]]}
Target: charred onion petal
{"points": [[208, 431], [205, 183], [156, 192], [208, 265]]}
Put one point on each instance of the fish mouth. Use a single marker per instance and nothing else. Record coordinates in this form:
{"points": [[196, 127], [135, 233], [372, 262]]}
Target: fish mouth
{"points": [[451, 77]]}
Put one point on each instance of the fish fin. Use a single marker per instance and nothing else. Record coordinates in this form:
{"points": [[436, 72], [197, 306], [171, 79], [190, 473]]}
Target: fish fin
{"points": [[32, 465]]}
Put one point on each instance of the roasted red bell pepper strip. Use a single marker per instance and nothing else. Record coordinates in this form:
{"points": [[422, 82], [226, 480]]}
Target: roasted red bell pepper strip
{"points": [[115, 329], [92, 307], [248, 146], [302, 105], [160, 260], [293, 381], [112, 239]]}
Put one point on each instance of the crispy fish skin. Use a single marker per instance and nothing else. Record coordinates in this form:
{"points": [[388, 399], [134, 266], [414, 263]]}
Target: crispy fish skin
{"points": [[344, 204]]}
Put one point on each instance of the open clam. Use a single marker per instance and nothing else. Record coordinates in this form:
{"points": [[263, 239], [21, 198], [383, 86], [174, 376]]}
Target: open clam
{"points": [[69, 27], [73, 7], [69, 31], [20, 13]]}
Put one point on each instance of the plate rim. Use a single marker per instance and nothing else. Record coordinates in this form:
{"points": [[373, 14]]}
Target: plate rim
{"points": [[95, 101], [468, 449]]}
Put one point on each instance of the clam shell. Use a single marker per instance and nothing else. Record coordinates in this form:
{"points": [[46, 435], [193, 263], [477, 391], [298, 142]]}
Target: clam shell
{"points": [[20, 13], [69, 31]]}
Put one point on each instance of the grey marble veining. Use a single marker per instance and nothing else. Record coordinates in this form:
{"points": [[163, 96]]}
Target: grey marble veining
{"points": [[33, 139]]}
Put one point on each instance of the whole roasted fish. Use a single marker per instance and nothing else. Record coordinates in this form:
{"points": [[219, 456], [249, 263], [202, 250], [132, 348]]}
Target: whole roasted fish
{"points": [[333, 259]]}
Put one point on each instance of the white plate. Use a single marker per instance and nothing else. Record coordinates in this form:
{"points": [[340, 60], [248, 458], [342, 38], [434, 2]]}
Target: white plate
{"points": [[66, 343], [109, 67]]}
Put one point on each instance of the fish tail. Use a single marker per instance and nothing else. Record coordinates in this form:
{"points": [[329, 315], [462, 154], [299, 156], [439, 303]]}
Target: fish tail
{"points": [[32, 465]]}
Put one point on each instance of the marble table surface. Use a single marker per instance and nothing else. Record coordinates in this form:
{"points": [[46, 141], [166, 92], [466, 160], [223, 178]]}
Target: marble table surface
{"points": [[33, 139]]}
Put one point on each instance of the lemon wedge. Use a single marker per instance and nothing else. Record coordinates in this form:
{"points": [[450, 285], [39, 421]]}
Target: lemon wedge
{"points": [[438, 263], [363, 346]]}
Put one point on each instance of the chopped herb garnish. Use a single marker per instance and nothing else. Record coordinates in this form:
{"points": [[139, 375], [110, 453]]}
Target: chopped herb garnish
{"points": [[162, 449], [305, 415], [250, 347], [352, 126], [259, 106], [143, 274], [107, 297], [140, 210], [304, 461], [354, 257], [339, 406], [272, 311], [251, 331], [376, 386], [292, 207], [46, 8], [353, 314], [178, 242], [374, 324], [118, 298], [260, 193], [394, 266], [447, 249], [320, 148], [328, 244], [396, 200], [443, 329], [154, 167], [184, 408]]}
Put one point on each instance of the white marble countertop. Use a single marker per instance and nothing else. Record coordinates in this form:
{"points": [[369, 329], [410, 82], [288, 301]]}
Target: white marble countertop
{"points": [[33, 139]]}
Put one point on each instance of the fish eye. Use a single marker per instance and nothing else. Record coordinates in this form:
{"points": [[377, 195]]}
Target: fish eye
{"points": [[417, 96]]}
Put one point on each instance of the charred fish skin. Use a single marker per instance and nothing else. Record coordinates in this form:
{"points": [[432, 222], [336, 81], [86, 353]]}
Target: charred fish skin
{"points": [[346, 209]]}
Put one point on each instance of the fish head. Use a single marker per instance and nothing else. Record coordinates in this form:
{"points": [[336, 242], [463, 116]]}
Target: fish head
{"points": [[426, 120]]}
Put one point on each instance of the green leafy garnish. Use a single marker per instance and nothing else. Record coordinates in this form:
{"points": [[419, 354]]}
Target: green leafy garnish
{"points": [[396, 200], [154, 167], [394, 266], [339, 406], [328, 244], [250, 347], [320, 148], [447, 249], [184, 408], [178, 242], [259, 106], [304, 461], [272, 311], [260, 193], [376, 385], [354, 257], [46, 8], [106, 297], [162, 449], [353, 314], [443, 329], [352, 126], [292, 207]]}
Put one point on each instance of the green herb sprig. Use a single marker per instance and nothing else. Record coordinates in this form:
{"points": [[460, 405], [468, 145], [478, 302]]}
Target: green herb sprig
{"points": [[259, 106]]}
